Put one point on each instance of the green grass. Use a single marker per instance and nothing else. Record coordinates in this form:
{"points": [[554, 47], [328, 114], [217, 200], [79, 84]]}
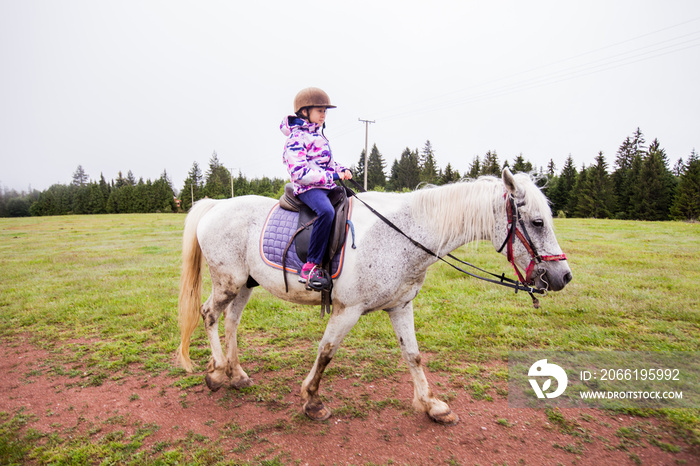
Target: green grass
{"points": [[115, 278], [106, 286]]}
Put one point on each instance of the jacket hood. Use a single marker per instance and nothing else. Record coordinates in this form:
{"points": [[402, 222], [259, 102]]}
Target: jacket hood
{"points": [[293, 122]]}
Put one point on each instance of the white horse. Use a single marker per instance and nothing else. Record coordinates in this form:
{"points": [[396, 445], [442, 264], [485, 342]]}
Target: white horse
{"points": [[384, 272]]}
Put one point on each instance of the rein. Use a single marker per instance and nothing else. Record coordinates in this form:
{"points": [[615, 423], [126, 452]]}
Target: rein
{"points": [[513, 232]]}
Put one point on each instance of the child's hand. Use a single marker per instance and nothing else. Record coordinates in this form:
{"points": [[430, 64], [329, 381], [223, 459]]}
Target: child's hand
{"points": [[346, 175]]}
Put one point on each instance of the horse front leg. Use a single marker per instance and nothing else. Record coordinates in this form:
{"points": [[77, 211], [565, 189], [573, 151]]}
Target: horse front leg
{"points": [[423, 398], [339, 324]]}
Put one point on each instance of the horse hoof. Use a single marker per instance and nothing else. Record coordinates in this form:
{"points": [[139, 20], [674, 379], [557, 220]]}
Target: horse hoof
{"points": [[317, 412], [243, 383], [446, 419], [211, 384]]}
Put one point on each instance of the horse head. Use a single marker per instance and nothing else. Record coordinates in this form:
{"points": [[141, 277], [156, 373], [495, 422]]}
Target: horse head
{"points": [[524, 232]]}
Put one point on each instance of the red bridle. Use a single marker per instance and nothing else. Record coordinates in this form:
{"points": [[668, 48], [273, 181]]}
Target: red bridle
{"points": [[521, 233]]}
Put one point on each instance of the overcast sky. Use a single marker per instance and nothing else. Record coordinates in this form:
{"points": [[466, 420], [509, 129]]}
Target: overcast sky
{"points": [[149, 86]]}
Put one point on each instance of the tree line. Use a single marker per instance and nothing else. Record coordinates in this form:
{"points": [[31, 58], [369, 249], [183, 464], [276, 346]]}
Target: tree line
{"points": [[642, 185], [127, 195], [218, 183]]}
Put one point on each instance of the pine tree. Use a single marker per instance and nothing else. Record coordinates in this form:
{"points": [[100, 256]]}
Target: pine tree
{"points": [[193, 187], [80, 200], [262, 187], [629, 155], [638, 142], [218, 179], [80, 178], [54, 201], [406, 172], [490, 165], [140, 201], [375, 169], [475, 168], [121, 181], [97, 201], [633, 184], [104, 189], [623, 163], [163, 197], [521, 165], [686, 205], [600, 189], [578, 206], [678, 167], [393, 181], [124, 199], [428, 166], [359, 169], [656, 189], [449, 175], [130, 179], [241, 187]]}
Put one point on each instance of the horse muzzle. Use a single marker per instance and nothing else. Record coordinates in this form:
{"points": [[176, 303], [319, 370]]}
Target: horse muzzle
{"points": [[550, 276]]}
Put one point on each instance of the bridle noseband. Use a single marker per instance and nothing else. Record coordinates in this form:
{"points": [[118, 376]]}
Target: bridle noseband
{"points": [[515, 221]]}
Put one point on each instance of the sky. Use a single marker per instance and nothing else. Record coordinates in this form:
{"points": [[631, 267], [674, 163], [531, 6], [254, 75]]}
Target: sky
{"points": [[149, 86]]}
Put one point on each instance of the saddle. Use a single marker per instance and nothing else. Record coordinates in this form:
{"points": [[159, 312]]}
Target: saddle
{"points": [[341, 204], [339, 200]]}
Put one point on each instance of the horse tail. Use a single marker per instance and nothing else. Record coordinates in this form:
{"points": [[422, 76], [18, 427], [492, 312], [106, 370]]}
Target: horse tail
{"points": [[190, 299]]}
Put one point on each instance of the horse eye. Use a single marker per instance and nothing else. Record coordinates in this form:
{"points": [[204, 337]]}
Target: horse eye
{"points": [[539, 223]]}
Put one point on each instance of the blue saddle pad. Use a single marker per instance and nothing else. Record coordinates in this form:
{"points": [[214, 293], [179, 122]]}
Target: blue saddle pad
{"points": [[278, 230]]}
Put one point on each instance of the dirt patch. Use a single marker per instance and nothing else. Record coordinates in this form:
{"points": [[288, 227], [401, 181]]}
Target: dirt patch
{"points": [[372, 422]]}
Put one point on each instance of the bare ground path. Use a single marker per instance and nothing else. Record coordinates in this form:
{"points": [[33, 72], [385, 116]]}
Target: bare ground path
{"points": [[49, 417]]}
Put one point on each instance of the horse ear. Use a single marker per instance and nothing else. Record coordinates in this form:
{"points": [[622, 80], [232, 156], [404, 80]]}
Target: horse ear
{"points": [[509, 182]]}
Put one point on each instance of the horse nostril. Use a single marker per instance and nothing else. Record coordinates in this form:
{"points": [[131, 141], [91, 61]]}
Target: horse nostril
{"points": [[568, 277]]}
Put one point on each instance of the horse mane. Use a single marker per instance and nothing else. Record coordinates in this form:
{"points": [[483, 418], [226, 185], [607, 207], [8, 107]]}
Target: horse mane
{"points": [[463, 211]]}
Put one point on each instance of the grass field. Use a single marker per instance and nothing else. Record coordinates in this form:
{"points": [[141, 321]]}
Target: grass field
{"points": [[107, 285]]}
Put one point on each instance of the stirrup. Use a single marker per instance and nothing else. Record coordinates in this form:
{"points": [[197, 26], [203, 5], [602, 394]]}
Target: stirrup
{"points": [[318, 281]]}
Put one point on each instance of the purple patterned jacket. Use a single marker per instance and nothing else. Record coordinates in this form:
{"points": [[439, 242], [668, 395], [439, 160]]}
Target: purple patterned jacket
{"points": [[307, 155]]}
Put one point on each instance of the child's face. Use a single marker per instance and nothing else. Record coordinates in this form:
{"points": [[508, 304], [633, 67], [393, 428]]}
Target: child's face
{"points": [[317, 115]]}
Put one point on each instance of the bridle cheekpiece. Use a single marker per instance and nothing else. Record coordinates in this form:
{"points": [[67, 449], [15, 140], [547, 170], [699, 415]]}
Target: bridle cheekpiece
{"points": [[516, 228]]}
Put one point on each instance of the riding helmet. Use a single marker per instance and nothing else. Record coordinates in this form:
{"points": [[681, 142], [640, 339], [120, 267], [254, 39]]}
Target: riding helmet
{"points": [[311, 97]]}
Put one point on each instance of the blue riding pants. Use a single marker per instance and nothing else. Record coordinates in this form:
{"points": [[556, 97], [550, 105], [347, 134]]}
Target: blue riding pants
{"points": [[317, 200]]}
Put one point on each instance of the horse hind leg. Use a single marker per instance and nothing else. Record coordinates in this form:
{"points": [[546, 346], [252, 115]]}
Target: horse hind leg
{"points": [[217, 303], [211, 311], [423, 398], [239, 379]]}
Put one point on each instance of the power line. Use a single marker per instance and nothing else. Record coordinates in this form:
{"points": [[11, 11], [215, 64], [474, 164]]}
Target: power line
{"points": [[440, 101], [554, 78]]}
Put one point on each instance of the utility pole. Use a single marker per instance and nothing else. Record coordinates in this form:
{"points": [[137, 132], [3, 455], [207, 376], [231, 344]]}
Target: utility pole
{"points": [[231, 173], [366, 122]]}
